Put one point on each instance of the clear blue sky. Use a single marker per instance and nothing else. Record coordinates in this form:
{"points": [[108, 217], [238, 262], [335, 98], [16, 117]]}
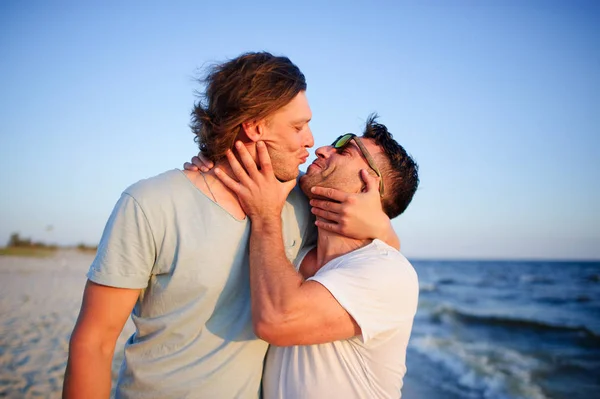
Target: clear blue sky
{"points": [[498, 101]]}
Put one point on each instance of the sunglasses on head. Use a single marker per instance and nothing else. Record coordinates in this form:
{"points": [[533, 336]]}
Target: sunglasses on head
{"points": [[343, 141]]}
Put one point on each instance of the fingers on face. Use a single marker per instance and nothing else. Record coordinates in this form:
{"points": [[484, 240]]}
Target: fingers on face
{"points": [[291, 184], [365, 175], [246, 158], [320, 213], [326, 205], [371, 181], [237, 168], [263, 157], [328, 226], [330, 193]]}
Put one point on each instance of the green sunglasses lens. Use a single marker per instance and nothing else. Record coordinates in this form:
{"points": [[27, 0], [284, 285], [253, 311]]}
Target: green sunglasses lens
{"points": [[342, 140]]}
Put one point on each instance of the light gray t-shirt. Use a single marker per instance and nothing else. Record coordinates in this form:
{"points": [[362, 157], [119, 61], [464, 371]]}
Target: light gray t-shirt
{"points": [[194, 336], [378, 287]]}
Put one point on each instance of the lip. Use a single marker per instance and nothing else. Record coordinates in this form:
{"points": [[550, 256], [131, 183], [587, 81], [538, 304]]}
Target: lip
{"points": [[312, 166], [315, 163], [304, 158]]}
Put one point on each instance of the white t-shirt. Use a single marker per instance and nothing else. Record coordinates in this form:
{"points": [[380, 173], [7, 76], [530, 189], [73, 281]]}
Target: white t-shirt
{"points": [[378, 287]]}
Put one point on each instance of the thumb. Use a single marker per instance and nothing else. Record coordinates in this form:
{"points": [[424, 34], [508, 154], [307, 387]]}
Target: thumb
{"points": [[372, 182], [288, 186]]}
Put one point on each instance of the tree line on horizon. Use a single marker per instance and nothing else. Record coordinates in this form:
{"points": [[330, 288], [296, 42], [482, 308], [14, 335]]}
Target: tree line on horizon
{"points": [[16, 241]]}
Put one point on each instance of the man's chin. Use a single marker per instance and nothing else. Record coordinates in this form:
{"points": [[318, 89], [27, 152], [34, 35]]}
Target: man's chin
{"points": [[305, 186], [287, 175]]}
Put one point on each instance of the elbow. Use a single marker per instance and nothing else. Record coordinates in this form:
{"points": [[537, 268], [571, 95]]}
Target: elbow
{"points": [[271, 334], [270, 330], [86, 345], [262, 330], [264, 327]]}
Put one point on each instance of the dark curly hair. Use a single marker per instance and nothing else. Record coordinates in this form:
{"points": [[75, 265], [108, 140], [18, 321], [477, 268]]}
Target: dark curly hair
{"points": [[399, 170], [247, 88]]}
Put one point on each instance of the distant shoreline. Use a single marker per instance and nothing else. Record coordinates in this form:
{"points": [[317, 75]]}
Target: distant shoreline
{"points": [[42, 252]]}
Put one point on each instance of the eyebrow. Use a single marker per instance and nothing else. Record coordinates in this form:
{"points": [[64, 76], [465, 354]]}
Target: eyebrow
{"points": [[303, 120]]}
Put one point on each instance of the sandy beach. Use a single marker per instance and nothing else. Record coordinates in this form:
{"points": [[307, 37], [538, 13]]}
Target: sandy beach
{"points": [[39, 303]]}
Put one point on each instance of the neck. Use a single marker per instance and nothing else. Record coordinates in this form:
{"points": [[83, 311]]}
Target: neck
{"points": [[224, 165], [331, 245], [214, 181], [212, 187]]}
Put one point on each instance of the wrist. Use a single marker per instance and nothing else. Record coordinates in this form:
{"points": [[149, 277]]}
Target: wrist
{"points": [[387, 230], [389, 236], [266, 225]]}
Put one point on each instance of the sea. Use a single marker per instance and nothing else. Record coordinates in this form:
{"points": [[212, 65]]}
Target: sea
{"points": [[505, 330]]}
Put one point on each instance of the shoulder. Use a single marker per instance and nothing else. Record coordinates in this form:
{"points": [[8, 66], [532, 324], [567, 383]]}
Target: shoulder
{"points": [[393, 258], [154, 193], [155, 186], [377, 254], [375, 284], [377, 262]]}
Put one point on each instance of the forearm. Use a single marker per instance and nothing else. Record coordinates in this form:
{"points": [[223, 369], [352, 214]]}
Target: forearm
{"points": [[88, 373], [389, 236], [274, 282]]}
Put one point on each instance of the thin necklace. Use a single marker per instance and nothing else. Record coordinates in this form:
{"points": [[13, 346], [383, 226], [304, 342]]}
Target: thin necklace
{"points": [[208, 186]]}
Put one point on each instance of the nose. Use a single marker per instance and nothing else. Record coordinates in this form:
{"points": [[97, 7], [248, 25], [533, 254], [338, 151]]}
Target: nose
{"points": [[309, 139], [325, 151]]}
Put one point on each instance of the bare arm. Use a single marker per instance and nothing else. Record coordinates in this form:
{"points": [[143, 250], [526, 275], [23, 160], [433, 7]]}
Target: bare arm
{"points": [[103, 314], [286, 310]]}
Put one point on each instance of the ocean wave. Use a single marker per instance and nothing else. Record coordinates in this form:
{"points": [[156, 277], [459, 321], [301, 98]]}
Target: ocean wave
{"points": [[593, 278], [505, 321], [490, 371], [582, 298], [424, 287], [553, 300], [536, 279]]}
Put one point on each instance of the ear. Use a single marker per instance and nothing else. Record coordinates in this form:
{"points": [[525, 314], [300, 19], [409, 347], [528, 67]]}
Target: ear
{"points": [[254, 130]]}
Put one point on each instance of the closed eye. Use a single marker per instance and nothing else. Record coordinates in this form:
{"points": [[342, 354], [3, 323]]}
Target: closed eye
{"points": [[343, 150]]}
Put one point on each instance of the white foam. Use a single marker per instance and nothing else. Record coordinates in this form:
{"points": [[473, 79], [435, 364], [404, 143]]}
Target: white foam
{"points": [[491, 371], [424, 287]]}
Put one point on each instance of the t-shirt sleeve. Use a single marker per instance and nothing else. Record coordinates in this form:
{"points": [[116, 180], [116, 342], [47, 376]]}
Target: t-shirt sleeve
{"points": [[127, 251], [379, 293]]}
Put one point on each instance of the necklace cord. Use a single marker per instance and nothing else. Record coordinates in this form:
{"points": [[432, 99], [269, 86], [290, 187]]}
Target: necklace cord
{"points": [[208, 186]]}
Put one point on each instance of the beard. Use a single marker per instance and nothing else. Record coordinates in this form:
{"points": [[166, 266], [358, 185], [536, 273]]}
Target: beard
{"points": [[306, 183], [284, 171], [330, 178]]}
